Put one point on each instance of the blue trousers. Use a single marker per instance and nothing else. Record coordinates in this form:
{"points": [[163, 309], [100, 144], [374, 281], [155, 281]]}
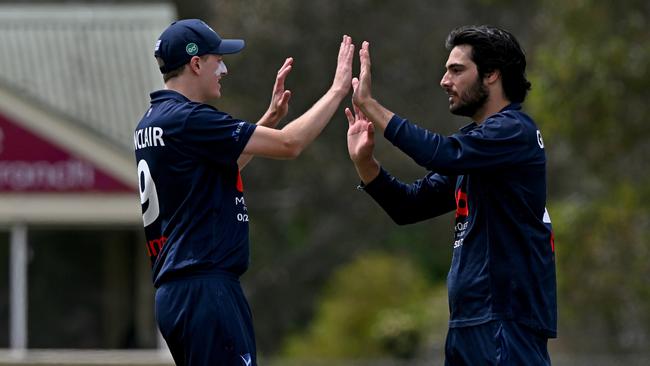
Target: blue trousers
{"points": [[499, 342], [206, 321]]}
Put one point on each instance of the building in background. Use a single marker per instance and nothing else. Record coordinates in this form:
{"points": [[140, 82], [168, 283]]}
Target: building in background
{"points": [[74, 80]]}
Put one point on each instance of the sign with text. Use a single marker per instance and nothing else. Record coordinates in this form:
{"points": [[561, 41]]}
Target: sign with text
{"points": [[29, 163]]}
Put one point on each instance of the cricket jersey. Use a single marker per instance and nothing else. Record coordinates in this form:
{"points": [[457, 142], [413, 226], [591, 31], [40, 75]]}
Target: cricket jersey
{"points": [[193, 209], [493, 175]]}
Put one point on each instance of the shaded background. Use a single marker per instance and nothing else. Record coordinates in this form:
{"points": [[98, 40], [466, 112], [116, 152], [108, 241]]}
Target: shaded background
{"points": [[332, 277]]}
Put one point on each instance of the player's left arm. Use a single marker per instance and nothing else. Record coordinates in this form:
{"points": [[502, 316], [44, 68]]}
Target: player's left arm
{"points": [[278, 108]]}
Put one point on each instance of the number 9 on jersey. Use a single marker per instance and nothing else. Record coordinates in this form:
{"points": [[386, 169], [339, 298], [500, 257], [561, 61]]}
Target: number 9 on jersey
{"points": [[147, 193]]}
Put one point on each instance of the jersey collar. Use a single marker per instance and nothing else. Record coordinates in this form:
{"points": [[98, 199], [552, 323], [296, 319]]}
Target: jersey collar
{"points": [[161, 95], [472, 125], [512, 107]]}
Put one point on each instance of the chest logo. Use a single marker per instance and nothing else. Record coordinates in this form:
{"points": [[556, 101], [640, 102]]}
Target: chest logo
{"points": [[540, 141]]}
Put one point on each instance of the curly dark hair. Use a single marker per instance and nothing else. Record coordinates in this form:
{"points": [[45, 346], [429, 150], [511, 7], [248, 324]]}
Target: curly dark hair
{"points": [[495, 49]]}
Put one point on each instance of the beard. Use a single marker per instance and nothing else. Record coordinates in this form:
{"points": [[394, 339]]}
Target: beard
{"points": [[471, 100]]}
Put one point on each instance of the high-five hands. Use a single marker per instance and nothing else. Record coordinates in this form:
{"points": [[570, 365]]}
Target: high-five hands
{"points": [[361, 141], [280, 97], [362, 97], [343, 74], [361, 132], [361, 123], [362, 93]]}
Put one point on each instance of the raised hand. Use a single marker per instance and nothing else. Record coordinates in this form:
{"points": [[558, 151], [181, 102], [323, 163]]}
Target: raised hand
{"points": [[362, 93], [280, 97], [343, 74], [361, 133]]}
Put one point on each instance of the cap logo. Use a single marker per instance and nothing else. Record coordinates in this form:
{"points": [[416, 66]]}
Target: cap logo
{"points": [[192, 49]]}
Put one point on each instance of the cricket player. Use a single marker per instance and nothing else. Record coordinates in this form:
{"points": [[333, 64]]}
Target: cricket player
{"points": [[189, 156], [502, 288]]}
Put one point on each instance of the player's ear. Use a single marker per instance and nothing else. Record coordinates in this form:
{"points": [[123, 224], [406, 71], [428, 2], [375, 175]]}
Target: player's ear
{"points": [[195, 64], [492, 77]]}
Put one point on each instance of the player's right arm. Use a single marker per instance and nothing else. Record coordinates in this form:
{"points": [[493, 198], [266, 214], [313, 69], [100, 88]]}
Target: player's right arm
{"points": [[291, 140]]}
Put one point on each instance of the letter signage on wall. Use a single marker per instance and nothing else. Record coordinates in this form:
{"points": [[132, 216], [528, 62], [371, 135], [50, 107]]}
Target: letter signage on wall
{"points": [[29, 163]]}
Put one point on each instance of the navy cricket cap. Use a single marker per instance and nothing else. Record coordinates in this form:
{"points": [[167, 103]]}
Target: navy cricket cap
{"points": [[191, 37]]}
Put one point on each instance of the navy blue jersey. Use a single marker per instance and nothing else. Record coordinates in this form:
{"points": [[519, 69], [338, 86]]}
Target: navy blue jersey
{"points": [[194, 213], [494, 176]]}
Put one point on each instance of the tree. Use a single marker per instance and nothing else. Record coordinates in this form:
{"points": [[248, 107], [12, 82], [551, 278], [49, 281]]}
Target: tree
{"points": [[377, 306], [591, 89]]}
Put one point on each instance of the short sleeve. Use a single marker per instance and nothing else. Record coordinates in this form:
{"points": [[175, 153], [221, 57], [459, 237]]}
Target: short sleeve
{"points": [[215, 136]]}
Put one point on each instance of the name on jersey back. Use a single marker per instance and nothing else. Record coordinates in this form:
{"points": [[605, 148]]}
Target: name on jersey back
{"points": [[148, 137]]}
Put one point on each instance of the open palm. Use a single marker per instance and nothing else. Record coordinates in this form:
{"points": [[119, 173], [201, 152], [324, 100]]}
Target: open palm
{"points": [[280, 97], [361, 135]]}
